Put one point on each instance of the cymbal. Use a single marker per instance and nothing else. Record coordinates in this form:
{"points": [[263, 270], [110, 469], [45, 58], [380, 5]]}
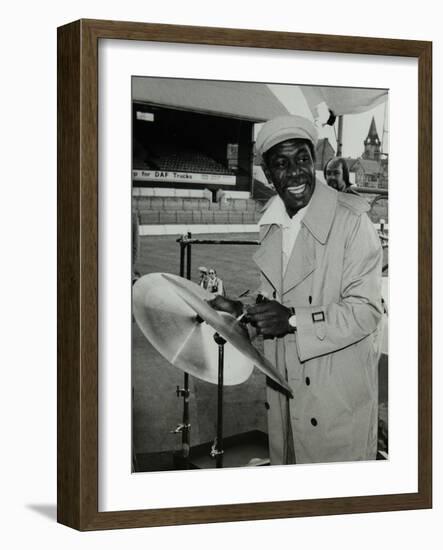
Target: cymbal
{"points": [[170, 324], [166, 308], [226, 326]]}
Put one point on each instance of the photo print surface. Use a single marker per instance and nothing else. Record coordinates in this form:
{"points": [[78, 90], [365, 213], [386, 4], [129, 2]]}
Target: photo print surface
{"points": [[260, 238]]}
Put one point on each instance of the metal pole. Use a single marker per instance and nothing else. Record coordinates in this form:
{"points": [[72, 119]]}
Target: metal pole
{"points": [[217, 450], [188, 258], [340, 136], [182, 259], [223, 241], [219, 459], [185, 433], [186, 444]]}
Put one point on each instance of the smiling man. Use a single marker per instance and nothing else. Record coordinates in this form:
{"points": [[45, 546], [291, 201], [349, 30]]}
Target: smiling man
{"points": [[320, 261]]}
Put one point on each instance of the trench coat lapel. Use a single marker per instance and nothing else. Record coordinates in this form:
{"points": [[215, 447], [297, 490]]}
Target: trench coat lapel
{"points": [[321, 212], [315, 226], [268, 257], [301, 263]]}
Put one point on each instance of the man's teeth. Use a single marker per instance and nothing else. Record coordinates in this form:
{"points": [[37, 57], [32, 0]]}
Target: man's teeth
{"points": [[297, 190]]}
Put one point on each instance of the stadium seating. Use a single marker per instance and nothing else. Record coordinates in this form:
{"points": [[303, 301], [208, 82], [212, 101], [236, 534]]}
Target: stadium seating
{"points": [[167, 157], [156, 206], [190, 217]]}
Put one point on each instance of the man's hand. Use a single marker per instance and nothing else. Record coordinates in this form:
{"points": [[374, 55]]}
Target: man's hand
{"points": [[270, 318], [220, 303]]}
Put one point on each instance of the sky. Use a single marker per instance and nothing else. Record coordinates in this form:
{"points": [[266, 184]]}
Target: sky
{"points": [[355, 126]]}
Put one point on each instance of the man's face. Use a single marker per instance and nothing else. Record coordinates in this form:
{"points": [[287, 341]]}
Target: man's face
{"points": [[290, 167], [334, 176]]}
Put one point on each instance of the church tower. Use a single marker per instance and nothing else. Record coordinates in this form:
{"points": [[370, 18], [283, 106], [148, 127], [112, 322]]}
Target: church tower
{"points": [[372, 144]]}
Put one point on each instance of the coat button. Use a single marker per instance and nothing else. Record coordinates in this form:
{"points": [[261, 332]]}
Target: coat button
{"points": [[267, 406], [307, 380], [314, 421]]}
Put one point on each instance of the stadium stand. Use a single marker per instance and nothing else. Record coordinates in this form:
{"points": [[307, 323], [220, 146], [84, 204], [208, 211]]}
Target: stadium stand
{"points": [[169, 157], [189, 211]]}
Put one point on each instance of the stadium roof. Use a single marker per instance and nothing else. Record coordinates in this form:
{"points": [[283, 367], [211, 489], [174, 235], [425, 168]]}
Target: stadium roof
{"points": [[246, 101]]}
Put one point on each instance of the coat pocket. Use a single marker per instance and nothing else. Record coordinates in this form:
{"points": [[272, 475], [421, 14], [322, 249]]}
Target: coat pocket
{"points": [[349, 370]]}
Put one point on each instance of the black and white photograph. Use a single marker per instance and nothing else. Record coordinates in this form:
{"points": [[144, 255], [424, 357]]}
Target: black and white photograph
{"points": [[260, 274], [219, 275]]}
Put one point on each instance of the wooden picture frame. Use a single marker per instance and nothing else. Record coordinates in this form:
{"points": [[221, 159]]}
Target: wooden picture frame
{"points": [[78, 274]]}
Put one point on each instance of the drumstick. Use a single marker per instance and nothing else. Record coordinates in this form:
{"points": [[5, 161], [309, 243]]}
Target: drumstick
{"points": [[240, 317]]}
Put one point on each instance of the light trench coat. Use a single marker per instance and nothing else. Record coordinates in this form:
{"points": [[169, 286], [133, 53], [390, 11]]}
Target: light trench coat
{"points": [[333, 280]]}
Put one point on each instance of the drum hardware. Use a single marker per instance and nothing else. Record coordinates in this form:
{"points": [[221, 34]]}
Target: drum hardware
{"points": [[179, 429], [215, 451], [185, 242], [182, 392], [185, 426], [227, 327], [185, 254], [182, 428], [217, 447], [174, 315]]}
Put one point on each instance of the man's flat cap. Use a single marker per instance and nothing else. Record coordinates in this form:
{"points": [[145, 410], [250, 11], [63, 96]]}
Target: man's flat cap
{"points": [[282, 128]]}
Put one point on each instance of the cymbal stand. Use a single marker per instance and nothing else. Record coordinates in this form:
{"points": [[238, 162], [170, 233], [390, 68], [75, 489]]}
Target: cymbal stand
{"points": [[217, 447], [185, 426], [186, 242]]}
